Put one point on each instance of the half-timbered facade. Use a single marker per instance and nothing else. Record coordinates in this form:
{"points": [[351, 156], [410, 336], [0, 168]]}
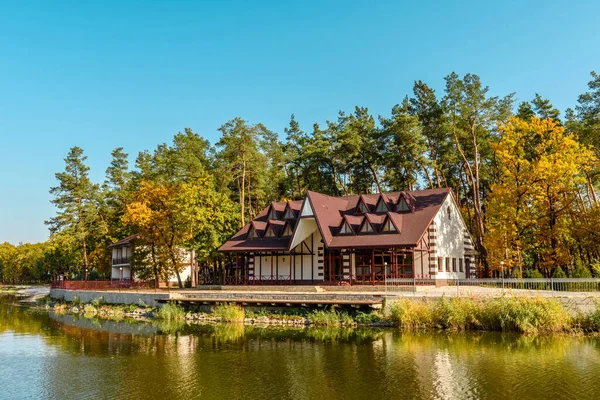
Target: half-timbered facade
{"points": [[363, 239]]}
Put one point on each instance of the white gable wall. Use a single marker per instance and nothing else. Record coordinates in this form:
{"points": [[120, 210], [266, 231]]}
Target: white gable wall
{"points": [[307, 210], [450, 239]]}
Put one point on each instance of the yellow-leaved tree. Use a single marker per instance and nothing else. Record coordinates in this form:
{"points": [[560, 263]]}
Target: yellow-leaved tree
{"points": [[540, 194]]}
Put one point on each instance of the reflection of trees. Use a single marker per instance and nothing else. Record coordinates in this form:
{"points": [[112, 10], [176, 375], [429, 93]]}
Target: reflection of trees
{"points": [[118, 359]]}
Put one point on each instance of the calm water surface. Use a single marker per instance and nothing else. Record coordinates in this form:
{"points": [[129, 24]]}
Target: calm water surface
{"points": [[59, 357]]}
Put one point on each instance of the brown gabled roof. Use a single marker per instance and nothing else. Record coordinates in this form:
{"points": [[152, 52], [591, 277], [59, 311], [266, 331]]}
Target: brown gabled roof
{"points": [[330, 211], [125, 241]]}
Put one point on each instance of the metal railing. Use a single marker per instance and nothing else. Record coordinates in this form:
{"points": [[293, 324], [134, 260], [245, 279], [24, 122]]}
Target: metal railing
{"points": [[512, 284], [408, 284], [120, 260], [552, 284]]}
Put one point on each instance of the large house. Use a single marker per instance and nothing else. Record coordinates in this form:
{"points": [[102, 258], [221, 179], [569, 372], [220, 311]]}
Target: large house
{"points": [[362, 239], [121, 262]]}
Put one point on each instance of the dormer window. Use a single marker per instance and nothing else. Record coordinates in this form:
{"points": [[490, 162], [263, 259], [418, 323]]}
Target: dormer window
{"points": [[402, 205], [366, 228], [270, 232], [289, 214], [381, 206], [252, 234], [287, 231], [272, 213], [388, 226], [362, 207], [345, 229]]}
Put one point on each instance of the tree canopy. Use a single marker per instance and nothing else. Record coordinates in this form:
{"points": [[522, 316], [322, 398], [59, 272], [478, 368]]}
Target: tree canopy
{"points": [[524, 179]]}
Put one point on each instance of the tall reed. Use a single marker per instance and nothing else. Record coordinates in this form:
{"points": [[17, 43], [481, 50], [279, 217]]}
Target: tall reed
{"points": [[229, 312], [507, 313]]}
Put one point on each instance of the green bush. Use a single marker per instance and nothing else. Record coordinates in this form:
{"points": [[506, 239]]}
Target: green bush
{"points": [[595, 267], [367, 318], [229, 312], [76, 301], [94, 276], [188, 282], [558, 273], [581, 271], [170, 312], [535, 274]]}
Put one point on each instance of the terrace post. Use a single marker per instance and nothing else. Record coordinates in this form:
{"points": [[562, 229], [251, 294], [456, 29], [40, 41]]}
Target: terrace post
{"points": [[373, 267]]}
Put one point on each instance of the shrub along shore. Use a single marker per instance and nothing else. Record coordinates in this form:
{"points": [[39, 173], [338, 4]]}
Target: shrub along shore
{"points": [[530, 315]]}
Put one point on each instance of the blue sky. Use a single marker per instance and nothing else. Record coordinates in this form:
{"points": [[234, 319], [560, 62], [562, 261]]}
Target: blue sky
{"points": [[126, 73]]}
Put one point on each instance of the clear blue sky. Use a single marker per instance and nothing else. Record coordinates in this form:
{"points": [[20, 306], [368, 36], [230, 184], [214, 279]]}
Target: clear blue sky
{"points": [[105, 74]]}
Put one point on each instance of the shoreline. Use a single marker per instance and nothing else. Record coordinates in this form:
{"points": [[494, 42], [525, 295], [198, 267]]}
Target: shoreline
{"points": [[506, 314]]}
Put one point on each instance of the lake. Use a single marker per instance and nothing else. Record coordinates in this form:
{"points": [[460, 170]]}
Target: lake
{"points": [[46, 356]]}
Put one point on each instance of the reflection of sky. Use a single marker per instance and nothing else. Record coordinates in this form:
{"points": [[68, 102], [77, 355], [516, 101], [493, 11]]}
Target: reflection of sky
{"points": [[22, 360]]}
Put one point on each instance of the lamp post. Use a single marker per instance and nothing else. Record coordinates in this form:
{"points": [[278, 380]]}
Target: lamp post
{"points": [[502, 272], [120, 273]]}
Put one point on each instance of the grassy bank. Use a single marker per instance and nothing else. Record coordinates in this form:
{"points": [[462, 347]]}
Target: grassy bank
{"points": [[531, 315]]}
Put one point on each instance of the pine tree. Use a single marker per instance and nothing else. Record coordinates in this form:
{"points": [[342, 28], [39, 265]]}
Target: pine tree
{"points": [[544, 109], [74, 198]]}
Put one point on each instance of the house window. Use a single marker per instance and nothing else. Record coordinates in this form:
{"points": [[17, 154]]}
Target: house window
{"points": [[252, 233], [345, 229], [288, 214], [402, 205], [447, 264], [440, 264], [270, 232], [449, 212], [362, 208], [366, 228], [287, 231], [460, 265], [454, 265], [388, 226], [272, 214], [381, 207]]}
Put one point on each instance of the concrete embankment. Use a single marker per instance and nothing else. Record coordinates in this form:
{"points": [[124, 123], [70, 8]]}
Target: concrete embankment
{"points": [[311, 296], [129, 297]]}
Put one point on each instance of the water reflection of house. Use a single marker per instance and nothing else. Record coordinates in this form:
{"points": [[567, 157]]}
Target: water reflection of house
{"points": [[122, 252], [361, 239]]}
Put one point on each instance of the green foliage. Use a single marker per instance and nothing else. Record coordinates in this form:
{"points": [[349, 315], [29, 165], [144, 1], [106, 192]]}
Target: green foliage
{"points": [[97, 302], [367, 317], [89, 309], [76, 301], [581, 271], [189, 194], [170, 312], [94, 275], [595, 267], [535, 274], [330, 317], [229, 312], [558, 273]]}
